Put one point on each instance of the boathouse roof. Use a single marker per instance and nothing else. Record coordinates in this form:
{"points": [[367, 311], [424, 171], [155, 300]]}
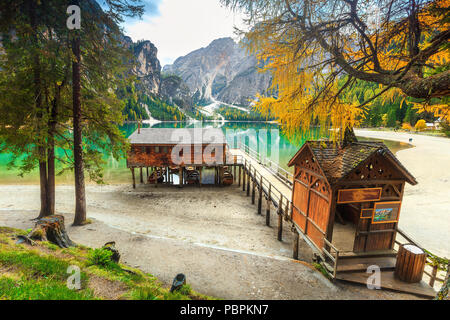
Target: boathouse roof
{"points": [[171, 136], [337, 161]]}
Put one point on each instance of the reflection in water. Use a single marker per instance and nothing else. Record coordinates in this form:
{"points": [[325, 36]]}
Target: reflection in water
{"points": [[265, 138]]}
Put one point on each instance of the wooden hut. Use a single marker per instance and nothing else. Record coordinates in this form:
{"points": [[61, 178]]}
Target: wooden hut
{"points": [[169, 150], [346, 201]]}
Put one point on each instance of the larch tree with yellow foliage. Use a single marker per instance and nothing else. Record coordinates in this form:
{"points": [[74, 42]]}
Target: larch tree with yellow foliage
{"points": [[308, 45]]}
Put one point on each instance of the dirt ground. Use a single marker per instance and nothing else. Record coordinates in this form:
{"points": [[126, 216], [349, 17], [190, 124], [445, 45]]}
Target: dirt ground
{"points": [[213, 235]]}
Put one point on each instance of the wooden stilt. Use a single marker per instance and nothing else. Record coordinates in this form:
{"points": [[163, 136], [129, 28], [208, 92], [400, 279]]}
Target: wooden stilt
{"points": [[134, 178], [141, 175], [280, 219], [286, 210], [243, 179], [260, 196], [180, 175], [239, 184], [295, 244], [200, 177], [253, 186], [156, 181], [249, 176], [268, 206], [147, 173], [234, 174]]}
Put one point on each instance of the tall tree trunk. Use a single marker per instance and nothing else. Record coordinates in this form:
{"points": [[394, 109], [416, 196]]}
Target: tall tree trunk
{"points": [[80, 197], [38, 105], [51, 153]]}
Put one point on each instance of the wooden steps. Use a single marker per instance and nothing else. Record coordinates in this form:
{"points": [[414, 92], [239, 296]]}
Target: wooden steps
{"points": [[390, 282], [362, 263], [380, 253]]}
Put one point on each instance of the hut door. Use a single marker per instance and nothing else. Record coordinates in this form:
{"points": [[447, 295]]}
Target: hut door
{"points": [[373, 237]]}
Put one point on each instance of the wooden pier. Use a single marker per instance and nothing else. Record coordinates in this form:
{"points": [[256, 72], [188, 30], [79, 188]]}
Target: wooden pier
{"points": [[266, 181]]}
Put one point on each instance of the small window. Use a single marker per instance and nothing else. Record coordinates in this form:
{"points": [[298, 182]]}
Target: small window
{"points": [[148, 150], [164, 149], [156, 149]]}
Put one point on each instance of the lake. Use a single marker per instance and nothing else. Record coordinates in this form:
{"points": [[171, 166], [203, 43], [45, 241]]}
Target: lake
{"points": [[264, 137]]}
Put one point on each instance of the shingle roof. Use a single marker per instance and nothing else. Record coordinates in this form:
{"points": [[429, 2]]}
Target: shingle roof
{"points": [[178, 136], [337, 162]]}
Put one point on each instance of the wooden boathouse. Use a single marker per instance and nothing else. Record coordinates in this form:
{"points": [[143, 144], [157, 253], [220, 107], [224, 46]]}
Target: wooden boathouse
{"points": [[179, 151]]}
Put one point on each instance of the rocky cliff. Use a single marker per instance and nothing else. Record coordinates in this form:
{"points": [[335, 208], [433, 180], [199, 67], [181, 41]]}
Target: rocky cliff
{"points": [[223, 71], [148, 67]]}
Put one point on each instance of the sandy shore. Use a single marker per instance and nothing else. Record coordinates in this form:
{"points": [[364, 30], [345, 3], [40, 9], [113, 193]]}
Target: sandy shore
{"points": [[212, 234], [425, 214]]}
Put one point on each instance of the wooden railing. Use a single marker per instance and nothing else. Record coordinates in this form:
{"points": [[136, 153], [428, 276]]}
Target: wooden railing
{"points": [[435, 268], [285, 176], [254, 182], [327, 251]]}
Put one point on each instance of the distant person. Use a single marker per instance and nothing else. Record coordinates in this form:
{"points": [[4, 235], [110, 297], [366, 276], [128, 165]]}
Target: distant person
{"points": [[410, 139]]}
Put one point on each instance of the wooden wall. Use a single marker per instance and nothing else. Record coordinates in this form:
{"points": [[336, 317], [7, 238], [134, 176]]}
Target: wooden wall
{"points": [[161, 155], [311, 199]]}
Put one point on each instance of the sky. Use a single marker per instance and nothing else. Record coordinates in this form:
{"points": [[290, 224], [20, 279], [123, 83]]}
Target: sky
{"points": [[177, 27]]}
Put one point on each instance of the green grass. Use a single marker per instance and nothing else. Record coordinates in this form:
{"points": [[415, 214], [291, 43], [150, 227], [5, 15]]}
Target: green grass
{"points": [[32, 263], [40, 272], [26, 289]]}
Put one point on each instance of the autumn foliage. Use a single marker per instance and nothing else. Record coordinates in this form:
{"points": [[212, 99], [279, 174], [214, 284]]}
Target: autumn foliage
{"points": [[318, 50]]}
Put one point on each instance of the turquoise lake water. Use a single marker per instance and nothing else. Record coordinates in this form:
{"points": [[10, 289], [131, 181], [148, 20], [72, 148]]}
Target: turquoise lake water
{"points": [[266, 138]]}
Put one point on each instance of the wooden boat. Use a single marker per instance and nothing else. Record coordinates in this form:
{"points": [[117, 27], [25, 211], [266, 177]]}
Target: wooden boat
{"points": [[227, 178], [174, 170], [156, 176], [192, 175]]}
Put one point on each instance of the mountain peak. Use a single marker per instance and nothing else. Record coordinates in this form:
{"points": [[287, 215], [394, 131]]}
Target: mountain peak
{"points": [[221, 70]]}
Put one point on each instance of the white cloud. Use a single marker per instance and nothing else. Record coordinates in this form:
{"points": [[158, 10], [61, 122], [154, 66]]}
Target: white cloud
{"points": [[184, 26]]}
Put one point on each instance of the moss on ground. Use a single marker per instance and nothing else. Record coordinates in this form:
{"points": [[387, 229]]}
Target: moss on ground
{"points": [[41, 272]]}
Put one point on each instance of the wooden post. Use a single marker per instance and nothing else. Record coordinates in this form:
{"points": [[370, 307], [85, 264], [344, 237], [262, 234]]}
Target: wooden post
{"points": [[180, 175], [147, 173], [200, 177], [286, 210], [141, 175], [253, 186], [260, 195], [433, 276], [156, 181], [243, 179], [280, 219], [295, 251], [268, 206], [249, 176], [239, 176], [234, 173], [134, 178]]}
